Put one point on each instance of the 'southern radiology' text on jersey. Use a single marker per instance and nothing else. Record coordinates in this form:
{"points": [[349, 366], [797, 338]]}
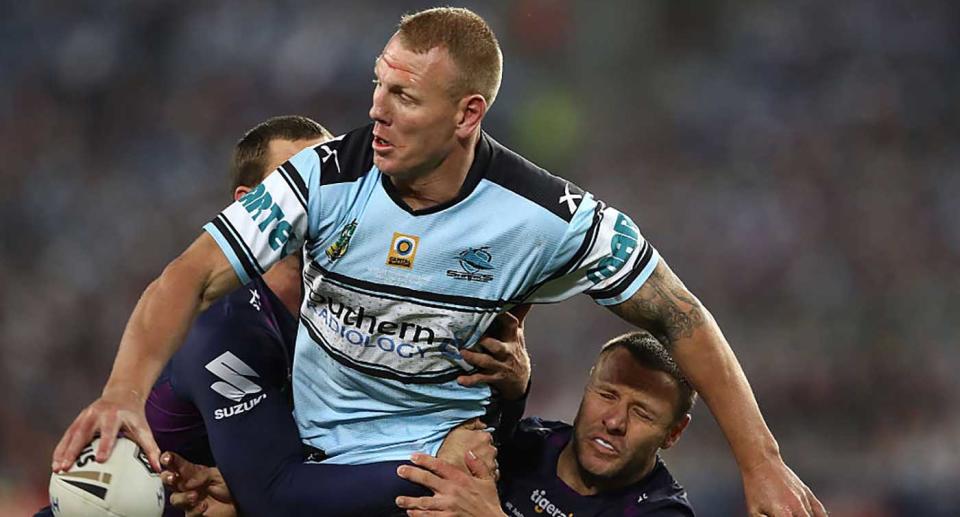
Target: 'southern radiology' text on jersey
{"points": [[392, 294]]}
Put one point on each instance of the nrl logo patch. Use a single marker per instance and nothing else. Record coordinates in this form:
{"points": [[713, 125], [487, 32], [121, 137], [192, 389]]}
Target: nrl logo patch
{"points": [[339, 248]]}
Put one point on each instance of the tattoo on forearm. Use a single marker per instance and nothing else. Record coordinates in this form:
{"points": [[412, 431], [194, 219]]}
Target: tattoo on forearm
{"points": [[664, 304]]}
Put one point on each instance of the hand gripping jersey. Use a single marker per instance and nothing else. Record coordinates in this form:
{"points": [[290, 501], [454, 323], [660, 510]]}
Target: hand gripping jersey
{"points": [[529, 486], [393, 294]]}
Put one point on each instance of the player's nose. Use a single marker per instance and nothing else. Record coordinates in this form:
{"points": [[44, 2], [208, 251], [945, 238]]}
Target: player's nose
{"points": [[378, 107], [615, 419]]}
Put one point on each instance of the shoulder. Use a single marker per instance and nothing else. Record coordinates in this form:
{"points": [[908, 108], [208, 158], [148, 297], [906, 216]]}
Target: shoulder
{"points": [[540, 428], [524, 178], [347, 157], [534, 436], [660, 494], [235, 319]]}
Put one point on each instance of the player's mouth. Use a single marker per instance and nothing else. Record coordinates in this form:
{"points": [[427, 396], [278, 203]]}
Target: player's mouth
{"points": [[603, 445], [381, 144]]}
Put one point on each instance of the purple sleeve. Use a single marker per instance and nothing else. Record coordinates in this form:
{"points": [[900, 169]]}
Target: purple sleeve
{"points": [[239, 388]]}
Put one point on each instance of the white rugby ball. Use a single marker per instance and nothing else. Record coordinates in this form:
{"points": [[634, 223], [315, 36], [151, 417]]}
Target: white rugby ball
{"points": [[122, 486]]}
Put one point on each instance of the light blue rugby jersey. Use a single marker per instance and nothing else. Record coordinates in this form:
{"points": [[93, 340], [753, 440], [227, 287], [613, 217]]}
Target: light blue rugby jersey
{"points": [[392, 294]]}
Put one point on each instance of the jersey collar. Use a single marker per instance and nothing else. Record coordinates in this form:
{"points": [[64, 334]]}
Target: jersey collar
{"points": [[478, 169]]}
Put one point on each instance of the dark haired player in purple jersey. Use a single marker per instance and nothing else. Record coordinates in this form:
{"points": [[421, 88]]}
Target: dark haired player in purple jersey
{"points": [[635, 403]]}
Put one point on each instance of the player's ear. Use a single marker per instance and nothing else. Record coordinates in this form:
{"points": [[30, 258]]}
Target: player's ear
{"points": [[240, 191], [470, 111], [675, 431]]}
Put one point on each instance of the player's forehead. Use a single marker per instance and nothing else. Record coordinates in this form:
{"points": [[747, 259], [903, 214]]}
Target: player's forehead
{"points": [[280, 150], [400, 65], [619, 370]]}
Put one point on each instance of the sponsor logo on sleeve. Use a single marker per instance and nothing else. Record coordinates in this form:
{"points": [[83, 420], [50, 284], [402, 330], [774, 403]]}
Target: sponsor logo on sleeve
{"points": [[403, 249], [235, 384], [260, 205], [622, 245]]}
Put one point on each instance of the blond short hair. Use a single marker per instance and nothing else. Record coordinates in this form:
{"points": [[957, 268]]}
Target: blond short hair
{"points": [[469, 40]]}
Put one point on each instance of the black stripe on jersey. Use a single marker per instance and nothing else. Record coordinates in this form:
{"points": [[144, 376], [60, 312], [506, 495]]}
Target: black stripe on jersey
{"points": [[582, 252], [462, 301], [346, 158], [517, 174], [290, 174], [617, 289], [240, 249], [588, 241], [381, 371], [236, 235], [311, 278]]}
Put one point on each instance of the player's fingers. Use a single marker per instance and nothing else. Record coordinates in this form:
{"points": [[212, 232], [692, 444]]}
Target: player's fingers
{"points": [[474, 424], [184, 500], [60, 451], [141, 434], [109, 425], [509, 322], [78, 440], [61, 455], [419, 503], [494, 347], [520, 312], [480, 360], [197, 478], [477, 467], [477, 378], [420, 476], [818, 510], [439, 467], [430, 513], [198, 510]]}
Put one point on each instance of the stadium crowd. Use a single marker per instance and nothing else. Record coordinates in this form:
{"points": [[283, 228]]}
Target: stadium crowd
{"points": [[796, 163]]}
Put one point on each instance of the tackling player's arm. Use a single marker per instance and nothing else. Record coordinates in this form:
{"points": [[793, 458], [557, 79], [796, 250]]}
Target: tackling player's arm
{"points": [[155, 330], [667, 308]]}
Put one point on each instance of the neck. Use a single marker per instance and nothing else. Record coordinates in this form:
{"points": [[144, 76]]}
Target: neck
{"points": [[284, 280], [441, 183], [582, 482]]}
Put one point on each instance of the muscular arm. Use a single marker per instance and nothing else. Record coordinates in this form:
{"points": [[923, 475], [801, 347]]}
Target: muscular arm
{"points": [[154, 332], [162, 317], [665, 307]]}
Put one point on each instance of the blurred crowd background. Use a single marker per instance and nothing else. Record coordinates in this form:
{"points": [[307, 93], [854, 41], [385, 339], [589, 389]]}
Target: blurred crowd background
{"points": [[795, 162]]}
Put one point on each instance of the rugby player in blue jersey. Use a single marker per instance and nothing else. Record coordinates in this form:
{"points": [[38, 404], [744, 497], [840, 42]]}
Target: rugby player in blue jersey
{"points": [[635, 403], [224, 397], [418, 229]]}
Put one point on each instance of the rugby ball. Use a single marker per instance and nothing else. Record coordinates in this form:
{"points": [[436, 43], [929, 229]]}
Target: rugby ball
{"points": [[122, 486]]}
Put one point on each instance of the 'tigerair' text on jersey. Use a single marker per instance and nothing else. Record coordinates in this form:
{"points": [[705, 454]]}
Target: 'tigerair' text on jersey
{"points": [[392, 294]]}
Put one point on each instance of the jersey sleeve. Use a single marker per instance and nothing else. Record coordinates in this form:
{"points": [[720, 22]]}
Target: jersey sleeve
{"points": [[272, 220], [602, 254], [236, 377]]}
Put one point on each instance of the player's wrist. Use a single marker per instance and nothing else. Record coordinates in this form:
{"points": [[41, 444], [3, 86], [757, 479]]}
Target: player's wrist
{"points": [[760, 458], [123, 392]]}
